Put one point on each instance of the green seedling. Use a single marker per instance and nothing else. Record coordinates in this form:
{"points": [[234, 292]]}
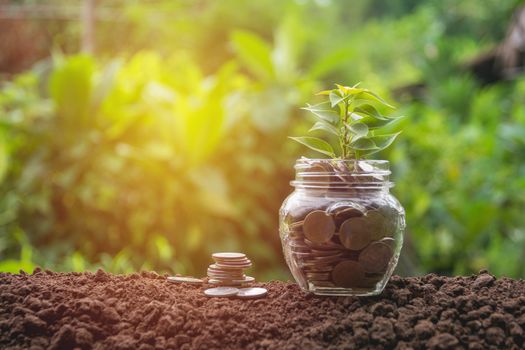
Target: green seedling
{"points": [[352, 115]]}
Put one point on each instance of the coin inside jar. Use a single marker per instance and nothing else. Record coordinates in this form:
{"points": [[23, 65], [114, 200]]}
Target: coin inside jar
{"points": [[376, 224], [347, 274], [302, 255], [329, 245], [299, 213], [345, 211], [355, 234], [298, 249], [349, 212], [318, 276], [328, 259], [296, 227], [318, 227], [322, 283], [319, 268], [375, 257], [319, 172], [391, 222], [389, 241], [320, 253]]}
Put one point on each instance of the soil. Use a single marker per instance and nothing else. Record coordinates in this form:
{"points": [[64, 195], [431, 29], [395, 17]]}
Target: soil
{"points": [[144, 311]]}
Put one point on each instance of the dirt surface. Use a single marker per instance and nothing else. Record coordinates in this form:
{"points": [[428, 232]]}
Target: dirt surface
{"points": [[144, 311]]}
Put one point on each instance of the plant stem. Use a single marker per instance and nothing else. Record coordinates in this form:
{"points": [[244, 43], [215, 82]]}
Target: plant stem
{"points": [[345, 133], [342, 143]]}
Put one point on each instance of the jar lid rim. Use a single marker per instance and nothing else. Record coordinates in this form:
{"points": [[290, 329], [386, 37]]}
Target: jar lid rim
{"points": [[342, 173], [341, 160], [342, 187]]}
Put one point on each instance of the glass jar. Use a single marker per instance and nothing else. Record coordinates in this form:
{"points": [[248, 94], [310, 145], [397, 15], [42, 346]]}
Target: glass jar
{"points": [[341, 229]]}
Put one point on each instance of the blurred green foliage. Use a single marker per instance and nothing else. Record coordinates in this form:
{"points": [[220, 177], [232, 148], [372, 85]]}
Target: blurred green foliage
{"points": [[171, 142]]}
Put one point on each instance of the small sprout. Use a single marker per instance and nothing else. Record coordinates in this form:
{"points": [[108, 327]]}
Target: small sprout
{"points": [[349, 113]]}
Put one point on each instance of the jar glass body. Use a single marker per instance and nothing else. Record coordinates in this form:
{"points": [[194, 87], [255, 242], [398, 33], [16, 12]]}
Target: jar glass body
{"points": [[341, 230]]}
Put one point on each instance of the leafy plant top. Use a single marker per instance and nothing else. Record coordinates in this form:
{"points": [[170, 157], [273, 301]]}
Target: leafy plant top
{"points": [[351, 115]]}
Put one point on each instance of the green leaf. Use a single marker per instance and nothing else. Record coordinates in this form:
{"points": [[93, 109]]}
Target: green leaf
{"points": [[316, 106], [350, 90], [369, 152], [375, 97], [359, 129], [365, 119], [324, 114], [335, 98], [323, 125], [254, 52], [383, 141], [316, 144], [368, 109], [374, 123], [363, 144]]}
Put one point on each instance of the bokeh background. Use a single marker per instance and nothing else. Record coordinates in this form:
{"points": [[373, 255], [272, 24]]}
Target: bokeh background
{"points": [[147, 134]]}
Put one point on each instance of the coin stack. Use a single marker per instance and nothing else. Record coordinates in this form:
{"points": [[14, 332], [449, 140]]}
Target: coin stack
{"points": [[348, 244], [228, 269]]}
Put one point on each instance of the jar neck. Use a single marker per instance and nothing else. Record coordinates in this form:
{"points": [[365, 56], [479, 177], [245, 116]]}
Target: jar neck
{"points": [[348, 193], [339, 176]]}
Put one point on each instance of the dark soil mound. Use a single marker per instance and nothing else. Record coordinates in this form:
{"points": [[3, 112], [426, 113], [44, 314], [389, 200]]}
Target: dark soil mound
{"points": [[144, 311]]}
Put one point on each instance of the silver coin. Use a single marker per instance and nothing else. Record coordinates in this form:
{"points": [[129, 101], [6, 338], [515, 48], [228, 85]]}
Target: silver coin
{"points": [[252, 293], [221, 292], [224, 283], [226, 278], [181, 279], [231, 281], [226, 272], [228, 255], [248, 279], [220, 283], [232, 261], [221, 265], [225, 269]]}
